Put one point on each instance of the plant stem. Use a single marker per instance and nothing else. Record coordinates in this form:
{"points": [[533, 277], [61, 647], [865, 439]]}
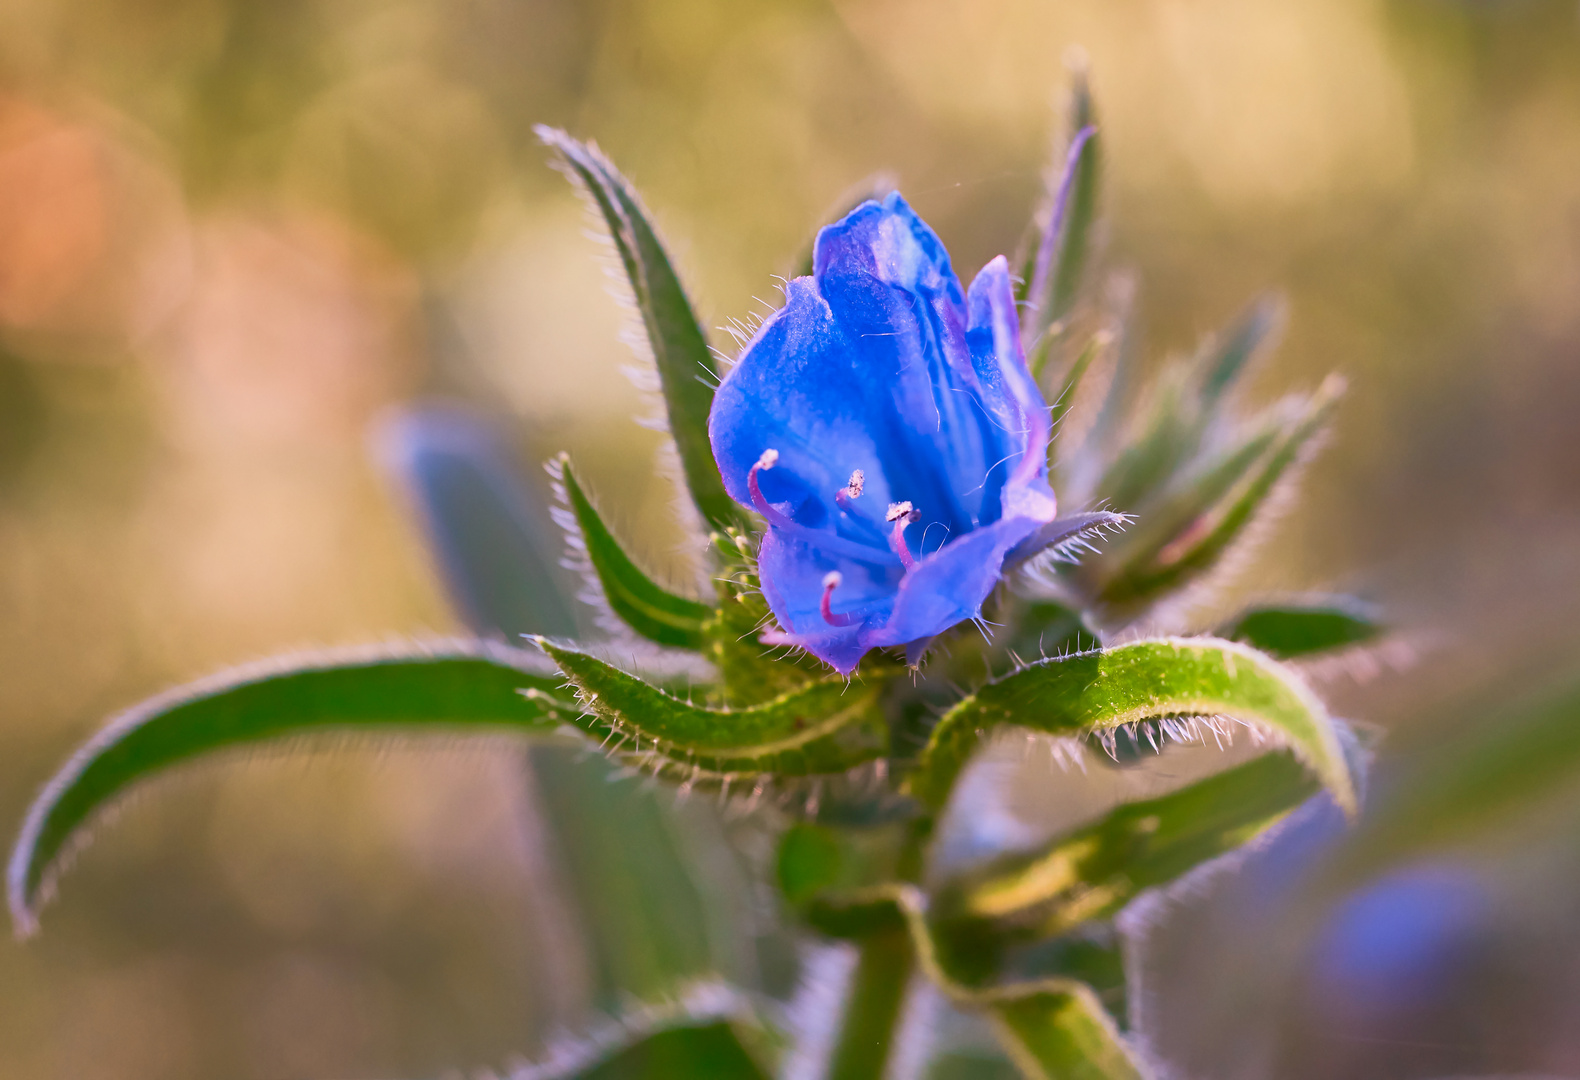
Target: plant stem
{"points": [[877, 991]]}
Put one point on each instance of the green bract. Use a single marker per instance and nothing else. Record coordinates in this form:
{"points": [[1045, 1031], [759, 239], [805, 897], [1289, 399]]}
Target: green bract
{"points": [[852, 776]]}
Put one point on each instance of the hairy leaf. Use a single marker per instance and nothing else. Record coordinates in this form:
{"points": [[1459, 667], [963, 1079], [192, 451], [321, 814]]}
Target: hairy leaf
{"points": [[1225, 361], [1305, 627], [1094, 871], [1146, 680], [712, 1050], [828, 727], [1193, 498], [450, 686], [1057, 258], [710, 1032], [646, 607], [1202, 546], [680, 349], [1167, 441]]}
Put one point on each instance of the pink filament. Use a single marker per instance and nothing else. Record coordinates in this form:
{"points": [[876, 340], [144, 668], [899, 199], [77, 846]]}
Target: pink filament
{"points": [[761, 504], [830, 583], [897, 540]]}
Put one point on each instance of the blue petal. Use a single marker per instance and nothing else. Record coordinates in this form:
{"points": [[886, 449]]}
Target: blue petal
{"points": [[792, 574], [880, 362], [889, 285], [1006, 391], [801, 388], [950, 586]]}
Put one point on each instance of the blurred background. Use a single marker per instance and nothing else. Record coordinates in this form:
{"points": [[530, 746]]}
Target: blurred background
{"points": [[233, 235]]}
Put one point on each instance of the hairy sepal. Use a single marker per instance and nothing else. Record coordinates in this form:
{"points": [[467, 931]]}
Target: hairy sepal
{"points": [[750, 672], [1057, 248], [680, 352], [828, 727], [1145, 680], [444, 686], [1229, 524]]}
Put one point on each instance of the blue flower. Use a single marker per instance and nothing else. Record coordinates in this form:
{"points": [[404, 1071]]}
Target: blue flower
{"points": [[884, 423]]}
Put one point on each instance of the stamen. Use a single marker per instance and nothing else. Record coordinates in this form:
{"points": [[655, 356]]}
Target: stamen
{"points": [[902, 514], [852, 490], [832, 581], [768, 460]]}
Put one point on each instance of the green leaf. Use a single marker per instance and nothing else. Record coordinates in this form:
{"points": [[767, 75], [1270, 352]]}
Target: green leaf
{"points": [[1184, 412], [1175, 517], [681, 355], [710, 1032], [1201, 549], [1309, 626], [1168, 440], [828, 727], [1094, 871], [1057, 260], [446, 687], [1226, 359], [646, 607], [1146, 680], [1064, 1036], [712, 1050], [811, 859]]}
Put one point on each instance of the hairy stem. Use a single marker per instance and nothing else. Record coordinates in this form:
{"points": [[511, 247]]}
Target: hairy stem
{"points": [[877, 990]]}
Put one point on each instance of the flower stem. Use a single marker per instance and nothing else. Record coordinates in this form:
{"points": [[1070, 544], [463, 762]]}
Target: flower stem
{"points": [[872, 1011]]}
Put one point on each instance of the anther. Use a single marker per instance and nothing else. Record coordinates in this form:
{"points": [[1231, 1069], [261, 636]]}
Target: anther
{"points": [[831, 581], [852, 490], [902, 514], [768, 460]]}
